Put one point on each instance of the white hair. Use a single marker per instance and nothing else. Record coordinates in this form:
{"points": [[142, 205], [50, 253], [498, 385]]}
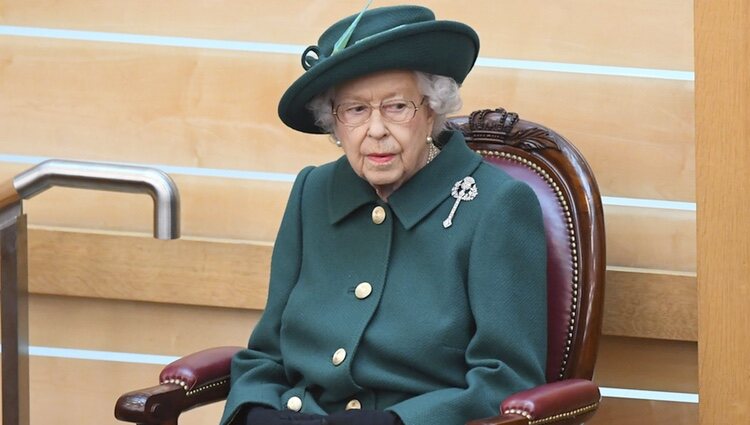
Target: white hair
{"points": [[442, 96], [441, 93]]}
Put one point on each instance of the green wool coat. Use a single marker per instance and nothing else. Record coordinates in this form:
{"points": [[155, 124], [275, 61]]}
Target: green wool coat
{"points": [[454, 319]]}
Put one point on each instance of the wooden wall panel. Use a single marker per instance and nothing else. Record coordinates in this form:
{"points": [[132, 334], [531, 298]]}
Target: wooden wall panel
{"points": [[647, 364], [86, 406], [650, 238], [723, 163], [100, 324], [124, 326], [68, 391], [91, 388], [232, 209], [108, 101], [217, 208], [127, 326], [205, 273], [145, 269], [640, 145], [250, 210], [651, 305], [216, 109], [616, 411], [638, 33], [240, 212]]}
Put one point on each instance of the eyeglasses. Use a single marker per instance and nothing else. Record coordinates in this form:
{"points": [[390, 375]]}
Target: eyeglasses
{"points": [[393, 111]]}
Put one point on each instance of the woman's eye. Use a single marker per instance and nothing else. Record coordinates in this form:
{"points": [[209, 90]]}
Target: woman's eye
{"points": [[356, 109], [395, 106]]}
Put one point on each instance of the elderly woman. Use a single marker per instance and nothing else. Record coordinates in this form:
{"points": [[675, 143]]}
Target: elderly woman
{"points": [[408, 280]]}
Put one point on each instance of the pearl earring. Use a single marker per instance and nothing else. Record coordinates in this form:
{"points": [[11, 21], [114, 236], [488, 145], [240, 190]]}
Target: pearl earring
{"points": [[334, 140], [429, 140]]}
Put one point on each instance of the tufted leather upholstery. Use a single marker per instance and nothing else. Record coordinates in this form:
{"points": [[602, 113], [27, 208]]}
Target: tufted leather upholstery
{"points": [[574, 227]]}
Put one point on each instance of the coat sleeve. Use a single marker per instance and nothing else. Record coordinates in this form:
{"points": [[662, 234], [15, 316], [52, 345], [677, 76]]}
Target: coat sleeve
{"points": [[257, 373], [507, 293]]}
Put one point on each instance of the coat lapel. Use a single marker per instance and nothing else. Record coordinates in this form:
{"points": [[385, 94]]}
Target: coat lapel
{"points": [[417, 197], [432, 184]]}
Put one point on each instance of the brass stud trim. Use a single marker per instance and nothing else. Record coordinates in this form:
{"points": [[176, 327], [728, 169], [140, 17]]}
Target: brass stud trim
{"points": [[523, 413], [554, 418], [209, 386], [176, 381], [573, 247], [184, 385]]}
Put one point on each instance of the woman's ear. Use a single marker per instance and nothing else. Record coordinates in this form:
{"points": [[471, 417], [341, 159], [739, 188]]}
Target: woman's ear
{"points": [[430, 119]]}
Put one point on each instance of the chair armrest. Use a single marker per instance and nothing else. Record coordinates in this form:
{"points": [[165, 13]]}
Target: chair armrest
{"points": [[191, 381], [561, 403]]}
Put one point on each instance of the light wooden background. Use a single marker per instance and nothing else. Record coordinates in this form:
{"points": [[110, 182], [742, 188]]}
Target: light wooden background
{"points": [[100, 282], [723, 158]]}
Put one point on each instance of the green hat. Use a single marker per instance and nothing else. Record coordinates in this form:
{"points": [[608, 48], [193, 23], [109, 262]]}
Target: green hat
{"points": [[398, 37]]}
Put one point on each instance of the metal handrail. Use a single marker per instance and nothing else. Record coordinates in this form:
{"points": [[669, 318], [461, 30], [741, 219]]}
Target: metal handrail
{"points": [[107, 177], [13, 251]]}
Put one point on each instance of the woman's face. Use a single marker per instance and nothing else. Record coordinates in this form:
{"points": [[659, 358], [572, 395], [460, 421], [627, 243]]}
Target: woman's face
{"points": [[384, 153]]}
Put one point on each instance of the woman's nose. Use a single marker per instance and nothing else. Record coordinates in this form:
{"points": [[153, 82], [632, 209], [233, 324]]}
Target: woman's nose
{"points": [[377, 128]]}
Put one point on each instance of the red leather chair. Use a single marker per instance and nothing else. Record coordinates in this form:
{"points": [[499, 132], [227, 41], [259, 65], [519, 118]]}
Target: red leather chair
{"points": [[574, 227]]}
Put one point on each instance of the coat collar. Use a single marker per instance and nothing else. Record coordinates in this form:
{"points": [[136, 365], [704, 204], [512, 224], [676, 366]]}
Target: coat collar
{"points": [[417, 197]]}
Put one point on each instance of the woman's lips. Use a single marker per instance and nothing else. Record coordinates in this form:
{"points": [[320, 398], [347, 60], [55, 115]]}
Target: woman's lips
{"points": [[380, 158]]}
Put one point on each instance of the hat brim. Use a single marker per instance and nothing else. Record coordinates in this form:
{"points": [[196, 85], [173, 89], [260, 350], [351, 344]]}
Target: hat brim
{"points": [[437, 47]]}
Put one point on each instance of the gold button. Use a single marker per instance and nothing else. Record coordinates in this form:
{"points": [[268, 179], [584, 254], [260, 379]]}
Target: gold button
{"points": [[363, 290], [294, 403], [378, 214], [353, 404], [338, 357]]}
